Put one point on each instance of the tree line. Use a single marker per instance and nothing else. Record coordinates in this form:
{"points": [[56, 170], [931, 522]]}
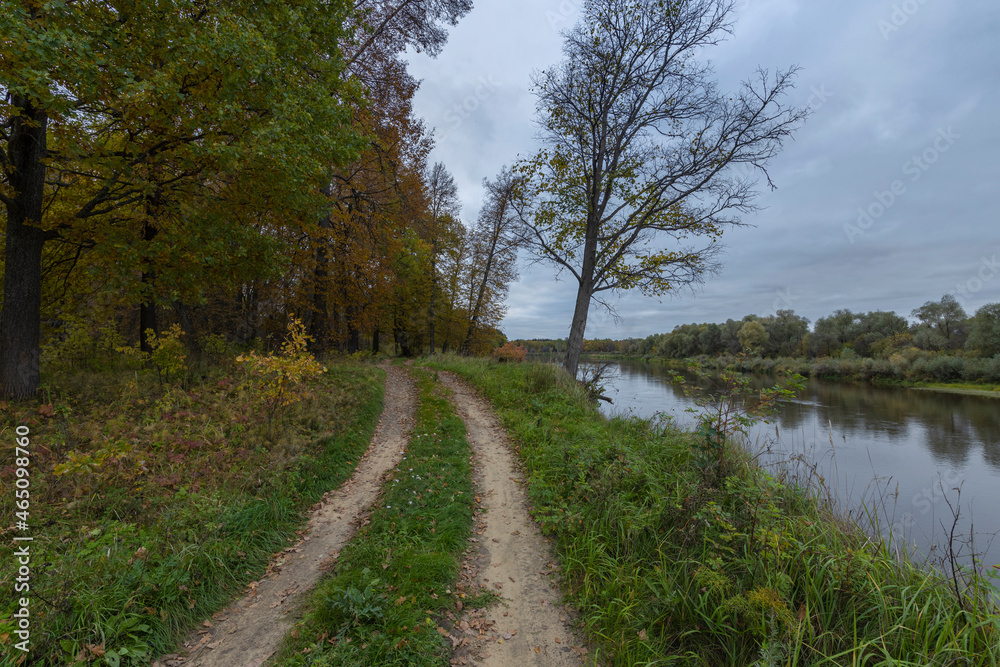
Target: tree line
{"points": [[940, 341], [223, 166], [940, 326]]}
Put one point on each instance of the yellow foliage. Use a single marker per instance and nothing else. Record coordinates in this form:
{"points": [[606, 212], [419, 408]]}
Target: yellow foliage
{"points": [[279, 381], [85, 464], [168, 353]]}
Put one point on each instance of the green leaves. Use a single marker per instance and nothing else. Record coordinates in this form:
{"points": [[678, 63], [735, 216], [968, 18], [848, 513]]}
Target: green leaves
{"points": [[730, 405]]}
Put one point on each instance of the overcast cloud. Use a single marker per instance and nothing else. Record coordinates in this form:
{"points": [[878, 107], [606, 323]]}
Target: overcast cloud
{"points": [[905, 95]]}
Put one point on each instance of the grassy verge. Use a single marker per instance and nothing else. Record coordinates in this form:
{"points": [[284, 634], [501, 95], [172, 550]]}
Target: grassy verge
{"points": [[668, 568], [378, 606], [992, 390], [152, 506]]}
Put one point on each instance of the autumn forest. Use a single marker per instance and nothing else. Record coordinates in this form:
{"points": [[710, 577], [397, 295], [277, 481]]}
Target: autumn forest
{"points": [[226, 167]]}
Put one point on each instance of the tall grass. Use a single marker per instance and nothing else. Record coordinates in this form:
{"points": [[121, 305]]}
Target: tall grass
{"points": [[669, 567]]}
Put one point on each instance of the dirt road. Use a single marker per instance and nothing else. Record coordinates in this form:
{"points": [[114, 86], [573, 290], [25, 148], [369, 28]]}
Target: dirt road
{"points": [[249, 631], [530, 627]]}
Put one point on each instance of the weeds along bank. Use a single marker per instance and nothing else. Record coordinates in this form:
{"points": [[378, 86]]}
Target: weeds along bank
{"points": [[910, 369], [155, 499], [675, 562], [382, 602]]}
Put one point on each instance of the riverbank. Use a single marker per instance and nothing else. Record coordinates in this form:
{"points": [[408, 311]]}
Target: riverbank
{"points": [[989, 390], [942, 373], [663, 561]]}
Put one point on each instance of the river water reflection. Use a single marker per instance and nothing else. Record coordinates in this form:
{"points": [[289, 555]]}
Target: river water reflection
{"points": [[902, 445]]}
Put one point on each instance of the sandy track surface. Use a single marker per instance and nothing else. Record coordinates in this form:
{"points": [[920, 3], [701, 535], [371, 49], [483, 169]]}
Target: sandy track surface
{"points": [[249, 631], [530, 627]]}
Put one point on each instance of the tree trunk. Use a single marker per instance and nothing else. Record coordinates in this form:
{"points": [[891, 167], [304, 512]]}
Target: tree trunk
{"points": [[574, 345], [474, 320], [375, 343], [249, 303], [147, 309], [187, 326], [320, 329], [353, 340], [20, 319], [433, 290]]}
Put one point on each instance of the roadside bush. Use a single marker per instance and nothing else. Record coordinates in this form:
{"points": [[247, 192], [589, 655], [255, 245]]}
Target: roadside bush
{"points": [[510, 352], [279, 381]]}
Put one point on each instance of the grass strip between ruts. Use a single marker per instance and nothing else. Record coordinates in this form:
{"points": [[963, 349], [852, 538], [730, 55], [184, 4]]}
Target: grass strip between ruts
{"points": [[379, 604]]}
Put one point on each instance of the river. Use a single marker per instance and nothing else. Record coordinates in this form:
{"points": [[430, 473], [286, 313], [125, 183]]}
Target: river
{"points": [[902, 451]]}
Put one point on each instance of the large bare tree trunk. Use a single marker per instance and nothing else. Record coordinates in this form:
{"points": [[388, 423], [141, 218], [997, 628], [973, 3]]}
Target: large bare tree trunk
{"points": [[20, 319], [574, 345]]}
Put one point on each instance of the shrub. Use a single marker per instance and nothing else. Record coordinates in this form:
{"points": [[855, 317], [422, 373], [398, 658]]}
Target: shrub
{"points": [[168, 353], [991, 369], [510, 352], [77, 344], [278, 381], [217, 349], [945, 369]]}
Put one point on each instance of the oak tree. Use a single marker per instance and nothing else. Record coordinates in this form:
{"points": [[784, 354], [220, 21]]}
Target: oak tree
{"points": [[119, 106]]}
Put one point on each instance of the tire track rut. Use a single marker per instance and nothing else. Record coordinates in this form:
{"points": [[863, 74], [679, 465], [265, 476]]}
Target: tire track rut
{"points": [[530, 627], [248, 632]]}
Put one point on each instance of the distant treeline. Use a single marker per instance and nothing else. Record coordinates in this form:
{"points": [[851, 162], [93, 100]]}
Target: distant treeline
{"points": [[943, 343]]}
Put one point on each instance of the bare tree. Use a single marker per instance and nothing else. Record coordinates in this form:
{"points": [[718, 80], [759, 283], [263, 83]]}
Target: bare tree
{"points": [[638, 150], [393, 25], [494, 253]]}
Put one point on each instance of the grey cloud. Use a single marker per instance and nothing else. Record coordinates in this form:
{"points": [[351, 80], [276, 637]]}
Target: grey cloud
{"points": [[878, 100]]}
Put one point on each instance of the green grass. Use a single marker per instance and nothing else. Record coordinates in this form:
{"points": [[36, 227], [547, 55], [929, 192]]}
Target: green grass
{"points": [[671, 567], [379, 605], [128, 556], [984, 389]]}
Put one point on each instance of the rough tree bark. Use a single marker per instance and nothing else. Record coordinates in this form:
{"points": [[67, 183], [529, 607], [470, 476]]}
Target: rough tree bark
{"points": [[20, 319]]}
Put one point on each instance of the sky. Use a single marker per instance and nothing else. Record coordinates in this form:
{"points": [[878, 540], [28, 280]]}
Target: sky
{"points": [[885, 198]]}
